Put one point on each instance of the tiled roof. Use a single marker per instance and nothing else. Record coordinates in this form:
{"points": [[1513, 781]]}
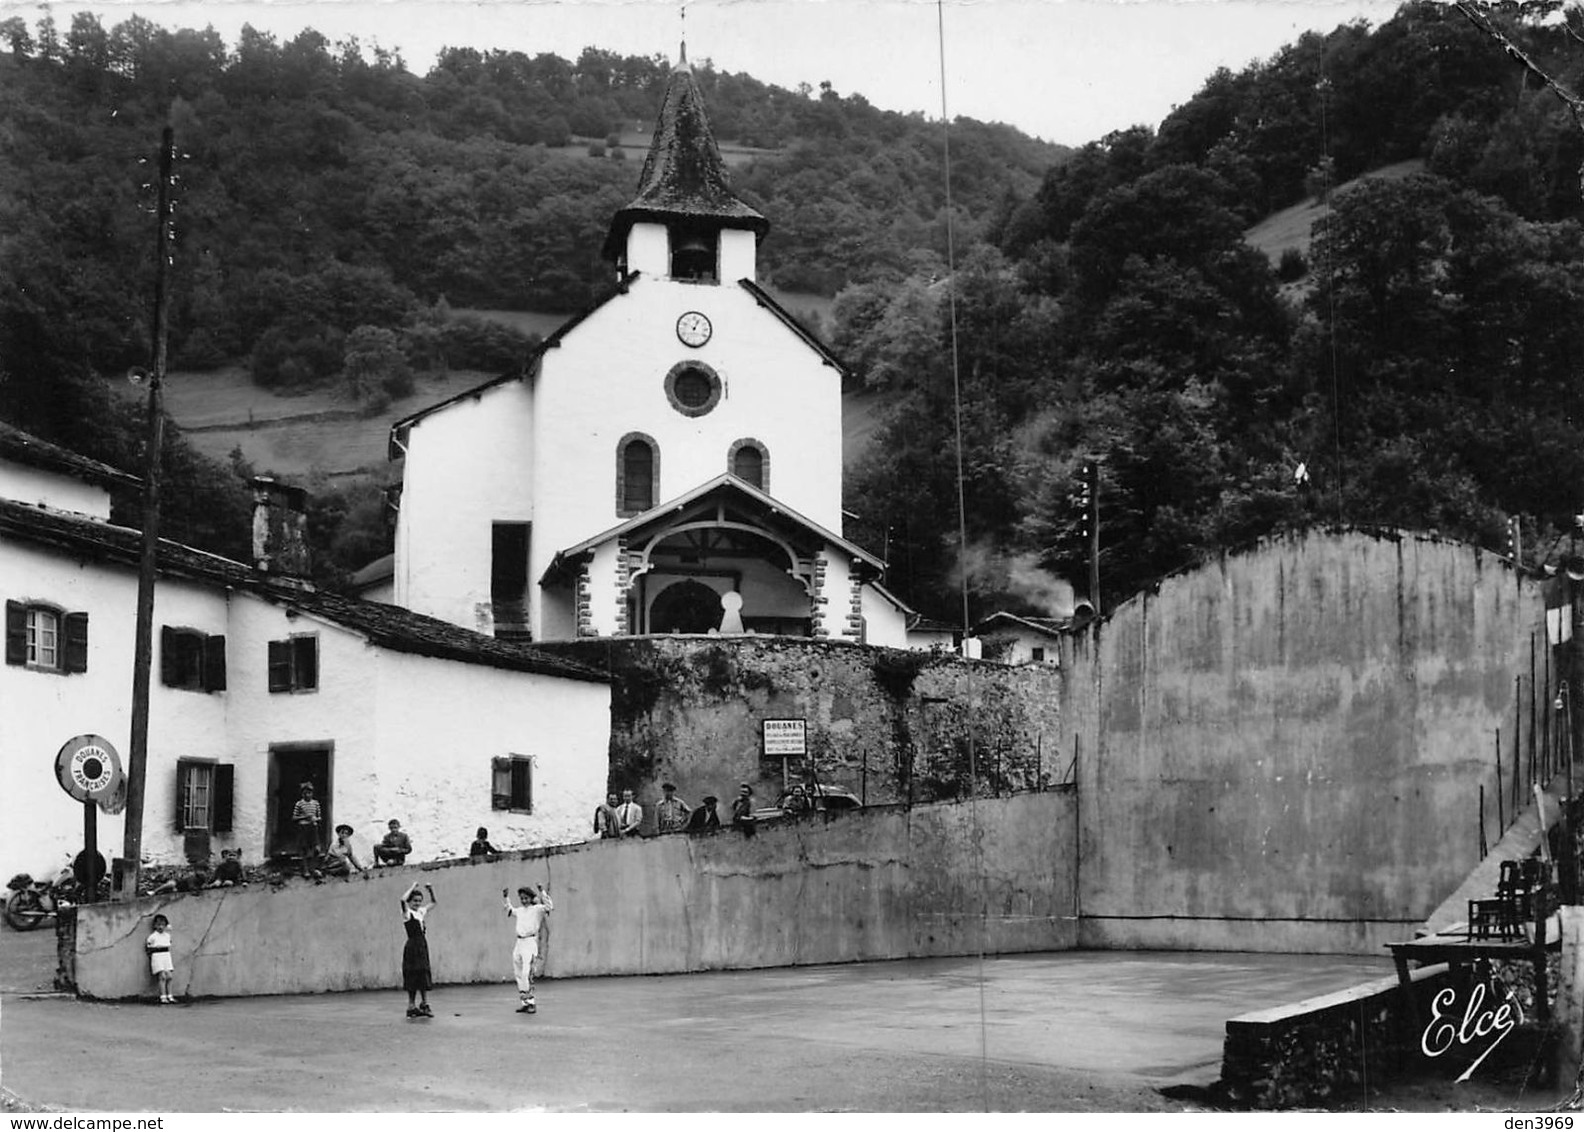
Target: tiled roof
{"points": [[21, 448], [388, 626], [1050, 626], [683, 177]]}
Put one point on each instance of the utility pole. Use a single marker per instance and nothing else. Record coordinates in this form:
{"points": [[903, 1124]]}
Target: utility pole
{"points": [[143, 646], [1089, 528]]}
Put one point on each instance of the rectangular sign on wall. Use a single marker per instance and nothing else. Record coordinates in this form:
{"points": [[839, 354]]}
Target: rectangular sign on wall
{"points": [[785, 736]]}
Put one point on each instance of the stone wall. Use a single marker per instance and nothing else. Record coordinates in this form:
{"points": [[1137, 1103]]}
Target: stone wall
{"points": [[1327, 1050], [996, 875], [887, 724]]}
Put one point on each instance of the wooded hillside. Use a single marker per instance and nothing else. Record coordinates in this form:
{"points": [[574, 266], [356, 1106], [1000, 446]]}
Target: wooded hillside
{"points": [[1419, 362]]}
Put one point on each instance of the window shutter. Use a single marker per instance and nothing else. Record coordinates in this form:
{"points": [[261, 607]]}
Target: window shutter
{"points": [[221, 795], [16, 633], [214, 664], [167, 656], [305, 666], [501, 783], [522, 784], [280, 666], [75, 657], [180, 820]]}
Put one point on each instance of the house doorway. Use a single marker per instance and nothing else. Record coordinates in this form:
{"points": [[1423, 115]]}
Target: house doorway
{"points": [[290, 765]]}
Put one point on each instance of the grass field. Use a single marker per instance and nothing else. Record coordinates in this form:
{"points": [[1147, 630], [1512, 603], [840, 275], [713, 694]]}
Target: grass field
{"points": [[1292, 227]]}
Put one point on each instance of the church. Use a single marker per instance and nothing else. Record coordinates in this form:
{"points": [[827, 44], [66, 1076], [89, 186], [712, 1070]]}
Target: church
{"points": [[669, 461]]}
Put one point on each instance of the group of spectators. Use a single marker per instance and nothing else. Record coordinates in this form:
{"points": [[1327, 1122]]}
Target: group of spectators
{"points": [[615, 818], [341, 858]]}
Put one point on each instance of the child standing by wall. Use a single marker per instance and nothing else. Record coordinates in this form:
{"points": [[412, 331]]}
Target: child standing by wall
{"points": [[158, 946], [528, 918], [416, 979]]}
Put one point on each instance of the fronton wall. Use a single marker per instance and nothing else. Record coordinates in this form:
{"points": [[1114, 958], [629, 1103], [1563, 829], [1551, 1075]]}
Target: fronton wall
{"points": [[1284, 749]]}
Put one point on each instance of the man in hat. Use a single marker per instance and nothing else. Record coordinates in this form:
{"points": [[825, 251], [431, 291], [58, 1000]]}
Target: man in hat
{"points": [[306, 816], [704, 818], [671, 815], [341, 860]]}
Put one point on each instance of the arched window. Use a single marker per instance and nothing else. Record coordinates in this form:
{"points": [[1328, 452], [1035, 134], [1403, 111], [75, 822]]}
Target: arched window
{"points": [[637, 473], [749, 462]]}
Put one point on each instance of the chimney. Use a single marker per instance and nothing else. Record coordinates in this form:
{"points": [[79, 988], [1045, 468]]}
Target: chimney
{"points": [[280, 522]]}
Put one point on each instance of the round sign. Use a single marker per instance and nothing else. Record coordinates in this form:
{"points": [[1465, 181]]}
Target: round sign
{"points": [[89, 769]]}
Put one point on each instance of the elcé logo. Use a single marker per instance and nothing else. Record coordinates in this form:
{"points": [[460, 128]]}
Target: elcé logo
{"points": [[1479, 1022]]}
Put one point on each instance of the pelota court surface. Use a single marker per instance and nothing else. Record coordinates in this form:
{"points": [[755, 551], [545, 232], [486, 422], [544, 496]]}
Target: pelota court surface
{"points": [[1086, 1031]]}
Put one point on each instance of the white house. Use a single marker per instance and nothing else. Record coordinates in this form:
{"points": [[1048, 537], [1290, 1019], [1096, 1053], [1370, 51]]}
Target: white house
{"points": [[1013, 639], [259, 683], [668, 461]]}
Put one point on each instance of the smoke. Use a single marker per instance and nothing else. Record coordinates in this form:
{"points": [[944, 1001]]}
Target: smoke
{"points": [[1020, 576]]}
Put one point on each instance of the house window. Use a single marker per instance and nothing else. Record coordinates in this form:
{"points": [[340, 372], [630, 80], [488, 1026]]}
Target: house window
{"points": [[748, 462], [203, 796], [1038, 654], [512, 783], [508, 561], [192, 659], [294, 664], [637, 472], [43, 637], [693, 388]]}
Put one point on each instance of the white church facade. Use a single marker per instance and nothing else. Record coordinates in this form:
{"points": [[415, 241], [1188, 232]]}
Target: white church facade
{"points": [[667, 462]]}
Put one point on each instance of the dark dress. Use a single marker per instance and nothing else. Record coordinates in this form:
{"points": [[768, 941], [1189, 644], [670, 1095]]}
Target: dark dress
{"points": [[415, 956]]}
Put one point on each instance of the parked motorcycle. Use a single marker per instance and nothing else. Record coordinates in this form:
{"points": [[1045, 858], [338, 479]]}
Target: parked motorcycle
{"points": [[33, 903]]}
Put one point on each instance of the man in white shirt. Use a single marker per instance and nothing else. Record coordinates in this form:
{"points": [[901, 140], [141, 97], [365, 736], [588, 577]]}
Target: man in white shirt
{"points": [[528, 918], [629, 815]]}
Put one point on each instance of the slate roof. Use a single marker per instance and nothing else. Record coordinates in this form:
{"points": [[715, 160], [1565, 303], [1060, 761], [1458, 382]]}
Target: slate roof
{"points": [[21, 448], [683, 176], [388, 626]]}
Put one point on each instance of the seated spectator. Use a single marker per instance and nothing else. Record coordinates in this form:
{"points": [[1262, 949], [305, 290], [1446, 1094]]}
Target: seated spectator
{"points": [[195, 878], [393, 847], [704, 818], [341, 860], [229, 871], [481, 846]]}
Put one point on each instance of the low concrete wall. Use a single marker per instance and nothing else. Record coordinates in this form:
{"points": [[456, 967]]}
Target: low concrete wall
{"points": [[885, 883], [1327, 1048]]}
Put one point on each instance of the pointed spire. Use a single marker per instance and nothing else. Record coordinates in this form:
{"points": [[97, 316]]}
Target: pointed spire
{"points": [[684, 177]]}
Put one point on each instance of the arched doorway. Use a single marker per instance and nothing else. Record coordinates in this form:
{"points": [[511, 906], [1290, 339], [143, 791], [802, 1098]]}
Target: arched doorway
{"points": [[685, 607]]}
